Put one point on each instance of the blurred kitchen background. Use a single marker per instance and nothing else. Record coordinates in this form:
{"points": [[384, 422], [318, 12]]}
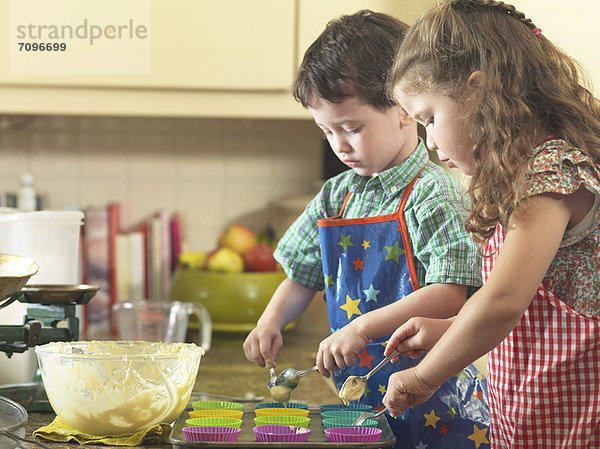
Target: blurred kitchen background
{"points": [[213, 131], [211, 135], [215, 171]]}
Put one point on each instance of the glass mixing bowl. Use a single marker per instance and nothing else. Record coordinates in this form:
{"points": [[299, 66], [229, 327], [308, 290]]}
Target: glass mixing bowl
{"points": [[118, 387]]}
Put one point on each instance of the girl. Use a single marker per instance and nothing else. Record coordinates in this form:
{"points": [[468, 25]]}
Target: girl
{"points": [[504, 105]]}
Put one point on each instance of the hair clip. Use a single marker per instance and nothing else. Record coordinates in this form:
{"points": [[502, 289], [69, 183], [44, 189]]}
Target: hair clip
{"points": [[537, 31]]}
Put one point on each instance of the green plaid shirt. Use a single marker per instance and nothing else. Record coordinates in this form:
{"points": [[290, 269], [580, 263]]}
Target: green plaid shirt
{"points": [[443, 252]]}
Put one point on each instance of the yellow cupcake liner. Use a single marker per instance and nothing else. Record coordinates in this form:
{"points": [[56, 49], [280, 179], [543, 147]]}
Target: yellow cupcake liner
{"points": [[281, 412]]}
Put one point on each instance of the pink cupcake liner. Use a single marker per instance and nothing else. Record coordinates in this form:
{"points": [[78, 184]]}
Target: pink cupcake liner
{"points": [[353, 434], [277, 433], [211, 433]]}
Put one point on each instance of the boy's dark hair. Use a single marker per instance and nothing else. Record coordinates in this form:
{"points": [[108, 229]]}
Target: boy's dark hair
{"points": [[351, 57]]}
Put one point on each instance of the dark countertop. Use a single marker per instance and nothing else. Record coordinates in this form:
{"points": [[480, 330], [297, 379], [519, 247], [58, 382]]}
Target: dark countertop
{"points": [[225, 370]]}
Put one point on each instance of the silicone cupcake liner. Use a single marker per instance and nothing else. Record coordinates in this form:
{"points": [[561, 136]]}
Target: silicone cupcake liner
{"points": [[215, 405], [282, 405], [341, 414], [299, 421], [353, 434], [356, 406], [223, 413], [214, 421], [281, 412], [273, 433], [211, 433], [346, 422]]}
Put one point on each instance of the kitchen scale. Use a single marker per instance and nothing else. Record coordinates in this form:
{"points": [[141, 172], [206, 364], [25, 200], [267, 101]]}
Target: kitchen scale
{"points": [[51, 316]]}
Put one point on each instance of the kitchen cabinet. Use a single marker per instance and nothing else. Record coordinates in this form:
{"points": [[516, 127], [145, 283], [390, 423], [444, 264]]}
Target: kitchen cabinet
{"points": [[206, 59], [231, 45]]}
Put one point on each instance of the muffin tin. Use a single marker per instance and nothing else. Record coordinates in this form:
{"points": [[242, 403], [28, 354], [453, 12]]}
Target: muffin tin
{"points": [[247, 438]]}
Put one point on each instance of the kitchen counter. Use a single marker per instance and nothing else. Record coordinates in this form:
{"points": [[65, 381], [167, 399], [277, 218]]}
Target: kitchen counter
{"points": [[225, 370]]}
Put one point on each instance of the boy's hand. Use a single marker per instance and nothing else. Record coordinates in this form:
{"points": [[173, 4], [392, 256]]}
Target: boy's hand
{"points": [[340, 349], [262, 345], [417, 336], [406, 389]]}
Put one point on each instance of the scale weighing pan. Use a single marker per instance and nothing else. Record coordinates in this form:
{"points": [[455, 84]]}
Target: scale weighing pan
{"points": [[15, 271], [58, 293]]}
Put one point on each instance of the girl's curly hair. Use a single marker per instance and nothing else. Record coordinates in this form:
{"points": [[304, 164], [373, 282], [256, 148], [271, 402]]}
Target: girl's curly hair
{"points": [[528, 84]]}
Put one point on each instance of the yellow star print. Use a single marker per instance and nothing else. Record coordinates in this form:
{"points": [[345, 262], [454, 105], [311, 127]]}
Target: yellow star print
{"points": [[366, 244], [431, 419], [478, 436], [381, 389], [351, 307], [328, 280], [452, 411]]}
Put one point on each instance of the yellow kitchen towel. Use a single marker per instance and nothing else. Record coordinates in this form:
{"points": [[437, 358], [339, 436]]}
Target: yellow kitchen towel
{"points": [[60, 431]]}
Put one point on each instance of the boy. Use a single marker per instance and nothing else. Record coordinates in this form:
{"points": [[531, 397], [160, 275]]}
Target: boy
{"points": [[385, 239]]}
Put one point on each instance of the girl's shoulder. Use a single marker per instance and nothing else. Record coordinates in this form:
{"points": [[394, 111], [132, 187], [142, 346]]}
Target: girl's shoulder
{"points": [[558, 167]]}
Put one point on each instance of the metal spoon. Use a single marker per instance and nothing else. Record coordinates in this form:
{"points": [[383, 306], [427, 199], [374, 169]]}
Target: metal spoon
{"points": [[354, 385], [281, 386], [290, 377], [366, 415]]}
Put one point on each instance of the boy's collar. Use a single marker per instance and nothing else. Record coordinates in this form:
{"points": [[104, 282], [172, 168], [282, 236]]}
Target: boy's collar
{"points": [[396, 178]]}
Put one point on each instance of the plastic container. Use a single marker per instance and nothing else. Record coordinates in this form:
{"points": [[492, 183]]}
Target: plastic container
{"points": [[211, 433], [353, 434], [51, 238], [275, 433]]}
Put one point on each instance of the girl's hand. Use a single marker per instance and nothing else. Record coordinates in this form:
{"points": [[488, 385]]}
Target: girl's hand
{"points": [[263, 344], [340, 349], [405, 390], [417, 336]]}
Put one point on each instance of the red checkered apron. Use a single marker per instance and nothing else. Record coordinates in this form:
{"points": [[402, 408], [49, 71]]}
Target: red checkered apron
{"points": [[544, 378]]}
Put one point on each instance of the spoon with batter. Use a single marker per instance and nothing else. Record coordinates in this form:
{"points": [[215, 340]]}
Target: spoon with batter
{"points": [[354, 386], [290, 377], [281, 386]]}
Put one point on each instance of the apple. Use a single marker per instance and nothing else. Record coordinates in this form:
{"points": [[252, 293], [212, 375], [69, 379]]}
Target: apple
{"points": [[195, 260], [225, 260], [260, 258], [237, 237]]}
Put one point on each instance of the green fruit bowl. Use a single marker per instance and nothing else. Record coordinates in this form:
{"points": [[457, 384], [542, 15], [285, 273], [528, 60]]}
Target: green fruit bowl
{"points": [[235, 301]]}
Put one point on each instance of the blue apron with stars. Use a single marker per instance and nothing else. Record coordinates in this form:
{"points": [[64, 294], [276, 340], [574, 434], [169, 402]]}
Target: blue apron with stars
{"points": [[367, 264]]}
